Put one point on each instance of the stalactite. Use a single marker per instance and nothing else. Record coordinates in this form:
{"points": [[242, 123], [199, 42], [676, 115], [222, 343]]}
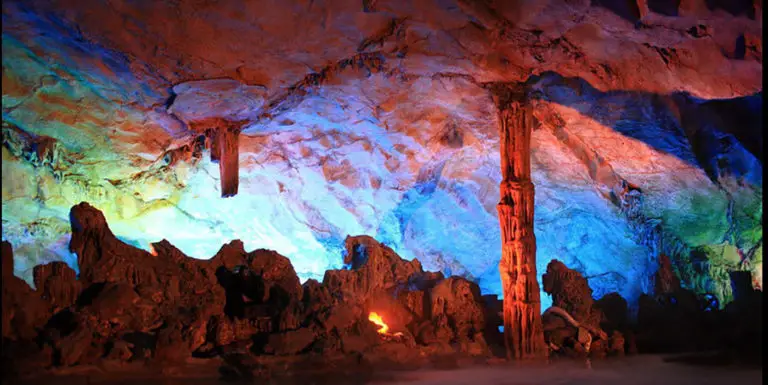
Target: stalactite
{"points": [[223, 137], [215, 145], [523, 333], [229, 153]]}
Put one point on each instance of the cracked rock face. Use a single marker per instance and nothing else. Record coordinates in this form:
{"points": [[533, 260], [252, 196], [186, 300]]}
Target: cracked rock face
{"points": [[375, 119]]}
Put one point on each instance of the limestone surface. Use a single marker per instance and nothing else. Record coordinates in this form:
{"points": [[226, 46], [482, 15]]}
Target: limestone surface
{"points": [[375, 118]]}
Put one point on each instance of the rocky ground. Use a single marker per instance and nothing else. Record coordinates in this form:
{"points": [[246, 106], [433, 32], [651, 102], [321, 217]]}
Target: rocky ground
{"points": [[637, 370]]}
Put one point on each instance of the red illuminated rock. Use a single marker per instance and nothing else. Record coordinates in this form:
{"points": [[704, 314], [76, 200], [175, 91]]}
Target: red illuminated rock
{"points": [[104, 258], [57, 283], [576, 325], [24, 312], [523, 335], [229, 167], [456, 305], [282, 283], [374, 268], [666, 280]]}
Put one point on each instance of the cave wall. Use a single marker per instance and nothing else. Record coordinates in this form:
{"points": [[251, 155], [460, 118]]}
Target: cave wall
{"points": [[375, 120]]}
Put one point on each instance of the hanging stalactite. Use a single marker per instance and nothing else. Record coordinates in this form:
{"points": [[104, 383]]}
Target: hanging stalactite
{"points": [[229, 168], [223, 137]]}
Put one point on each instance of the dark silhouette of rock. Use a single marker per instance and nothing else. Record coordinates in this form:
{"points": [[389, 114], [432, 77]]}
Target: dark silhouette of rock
{"points": [[57, 283], [164, 307], [24, 312], [290, 342], [73, 348], [615, 311]]}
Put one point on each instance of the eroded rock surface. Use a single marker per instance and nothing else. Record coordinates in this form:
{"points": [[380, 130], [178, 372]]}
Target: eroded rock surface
{"points": [[133, 309], [132, 306]]}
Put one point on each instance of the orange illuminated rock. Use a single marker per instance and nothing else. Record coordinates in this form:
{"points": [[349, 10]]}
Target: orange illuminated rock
{"points": [[523, 334]]}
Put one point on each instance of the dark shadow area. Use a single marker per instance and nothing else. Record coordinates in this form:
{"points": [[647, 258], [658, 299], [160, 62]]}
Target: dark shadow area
{"points": [[713, 359], [734, 7], [143, 344], [242, 288], [626, 9], [494, 323], [741, 284], [664, 7], [740, 50], [64, 323], [89, 294]]}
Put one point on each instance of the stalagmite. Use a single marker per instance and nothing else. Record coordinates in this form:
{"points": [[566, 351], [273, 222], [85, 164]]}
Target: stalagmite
{"points": [[523, 333]]}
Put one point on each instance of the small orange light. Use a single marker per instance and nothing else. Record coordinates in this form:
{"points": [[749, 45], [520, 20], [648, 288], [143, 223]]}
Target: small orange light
{"points": [[384, 328]]}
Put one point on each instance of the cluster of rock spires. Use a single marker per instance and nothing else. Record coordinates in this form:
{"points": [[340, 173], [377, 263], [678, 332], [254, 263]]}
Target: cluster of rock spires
{"points": [[130, 305]]}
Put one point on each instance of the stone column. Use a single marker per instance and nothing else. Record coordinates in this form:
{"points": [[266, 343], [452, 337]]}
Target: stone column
{"points": [[523, 333]]}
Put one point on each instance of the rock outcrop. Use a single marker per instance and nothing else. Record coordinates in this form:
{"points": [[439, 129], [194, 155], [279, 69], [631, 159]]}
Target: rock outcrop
{"points": [[159, 309], [129, 305], [573, 325]]}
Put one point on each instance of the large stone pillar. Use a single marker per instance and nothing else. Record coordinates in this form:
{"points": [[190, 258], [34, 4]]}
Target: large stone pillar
{"points": [[523, 333]]}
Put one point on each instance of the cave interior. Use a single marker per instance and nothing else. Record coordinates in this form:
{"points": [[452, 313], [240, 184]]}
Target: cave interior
{"points": [[320, 185]]}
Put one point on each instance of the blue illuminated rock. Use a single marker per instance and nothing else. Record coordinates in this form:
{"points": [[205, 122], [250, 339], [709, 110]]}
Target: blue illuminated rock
{"points": [[376, 122]]}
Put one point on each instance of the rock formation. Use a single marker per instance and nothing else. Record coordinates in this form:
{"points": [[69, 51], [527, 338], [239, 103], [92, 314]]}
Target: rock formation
{"points": [[133, 309], [522, 326], [574, 323], [375, 119], [129, 305]]}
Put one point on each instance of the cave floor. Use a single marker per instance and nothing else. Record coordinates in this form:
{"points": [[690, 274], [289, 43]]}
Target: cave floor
{"points": [[635, 370]]}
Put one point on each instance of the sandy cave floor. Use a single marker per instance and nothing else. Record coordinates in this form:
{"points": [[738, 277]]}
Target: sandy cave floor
{"points": [[635, 370]]}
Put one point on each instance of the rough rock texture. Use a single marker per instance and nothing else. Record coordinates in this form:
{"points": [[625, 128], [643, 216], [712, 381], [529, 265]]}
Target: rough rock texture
{"points": [[570, 292], [574, 324], [57, 284], [23, 311], [373, 118], [665, 279], [523, 336], [129, 305]]}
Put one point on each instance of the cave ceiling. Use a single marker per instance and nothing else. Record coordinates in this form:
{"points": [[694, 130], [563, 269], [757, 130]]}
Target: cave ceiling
{"points": [[374, 118]]}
